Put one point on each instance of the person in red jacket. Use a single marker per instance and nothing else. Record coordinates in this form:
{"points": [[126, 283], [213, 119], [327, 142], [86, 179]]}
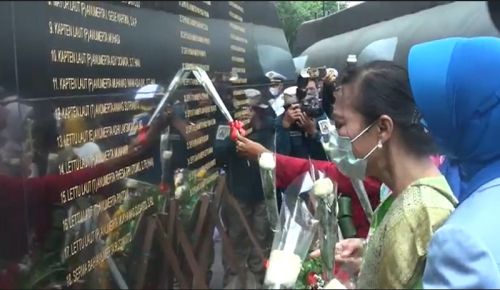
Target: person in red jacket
{"points": [[288, 168]]}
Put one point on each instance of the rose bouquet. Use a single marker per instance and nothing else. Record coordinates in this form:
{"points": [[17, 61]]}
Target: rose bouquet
{"points": [[292, 242], [189, 187], [267, 164], [325, 191]]}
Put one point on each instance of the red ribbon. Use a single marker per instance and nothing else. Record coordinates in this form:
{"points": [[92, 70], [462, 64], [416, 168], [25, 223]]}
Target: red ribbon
{"points": [[142, 135], [163, 187], [236, 129], [266, 264]]}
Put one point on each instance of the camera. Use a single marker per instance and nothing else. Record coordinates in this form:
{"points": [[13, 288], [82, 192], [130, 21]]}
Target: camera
{"points": [[310, 104], [313, 72], [306, 74], [311, 110]]}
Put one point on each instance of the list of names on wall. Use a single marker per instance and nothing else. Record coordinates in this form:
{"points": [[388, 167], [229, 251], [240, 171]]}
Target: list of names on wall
{"points": [[238, 49], [85, 32], [194, 34], [89, 55], [195, 44]]}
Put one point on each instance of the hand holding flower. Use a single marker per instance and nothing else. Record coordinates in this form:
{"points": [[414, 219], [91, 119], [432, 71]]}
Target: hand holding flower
{"points": [[349, 252], [249, 149]]}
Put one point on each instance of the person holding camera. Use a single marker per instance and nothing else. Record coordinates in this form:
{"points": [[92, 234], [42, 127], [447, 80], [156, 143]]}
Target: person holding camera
{"points": [[298, 129]]}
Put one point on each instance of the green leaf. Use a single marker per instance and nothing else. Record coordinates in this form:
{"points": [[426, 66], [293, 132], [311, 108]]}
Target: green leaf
{"points": [[294, 13]]}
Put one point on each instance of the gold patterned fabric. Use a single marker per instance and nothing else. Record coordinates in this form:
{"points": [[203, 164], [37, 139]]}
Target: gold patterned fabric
{"points": [[403, 226]]}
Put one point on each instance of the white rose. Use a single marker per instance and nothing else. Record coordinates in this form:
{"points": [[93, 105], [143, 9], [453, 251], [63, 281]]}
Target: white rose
{"points": [[323, 187], [284, 268], [167, 154], [266, 161], [178, 191], [334, 284], [178, 179]]}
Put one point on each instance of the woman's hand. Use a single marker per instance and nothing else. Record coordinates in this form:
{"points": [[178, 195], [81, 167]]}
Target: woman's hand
{"points": [[350, 252], [248, 148], [315, 254]]}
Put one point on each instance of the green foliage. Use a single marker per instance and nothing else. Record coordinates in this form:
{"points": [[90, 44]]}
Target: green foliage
{"points": [[294, 13], [195, 183], [313, 265]]}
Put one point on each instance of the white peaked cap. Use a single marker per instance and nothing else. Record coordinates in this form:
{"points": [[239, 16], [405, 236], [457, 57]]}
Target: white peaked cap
{"points": [[252, 93], [274, 76], [292, 91], [290, 95]]}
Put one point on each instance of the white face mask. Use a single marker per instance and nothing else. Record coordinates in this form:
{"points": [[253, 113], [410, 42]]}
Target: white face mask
{"points": [[343, 156], [274, 91]]}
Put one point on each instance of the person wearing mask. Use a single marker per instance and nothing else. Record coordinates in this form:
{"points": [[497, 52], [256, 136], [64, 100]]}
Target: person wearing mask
{"points": [[243, 180], [455, 85], [379, 134], [299, 129], [289, 167], [276, 91]]}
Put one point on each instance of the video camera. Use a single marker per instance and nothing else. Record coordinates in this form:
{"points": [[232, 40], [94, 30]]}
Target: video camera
{"points": [[309, 104], [316, 73]]}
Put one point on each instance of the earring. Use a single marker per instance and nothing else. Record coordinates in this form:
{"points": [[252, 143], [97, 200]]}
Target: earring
{"points": [[379, 145]]}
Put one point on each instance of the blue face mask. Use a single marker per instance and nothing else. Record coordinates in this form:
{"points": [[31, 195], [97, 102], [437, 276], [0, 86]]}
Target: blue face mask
{"points": [[339, 151]]}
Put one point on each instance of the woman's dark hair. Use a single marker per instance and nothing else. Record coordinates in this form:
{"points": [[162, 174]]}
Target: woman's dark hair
{"points": [[347, 75], [384, 89], [327, 98]]}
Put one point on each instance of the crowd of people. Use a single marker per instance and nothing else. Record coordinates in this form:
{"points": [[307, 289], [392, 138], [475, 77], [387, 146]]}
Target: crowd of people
{"points": [[423, 139]]}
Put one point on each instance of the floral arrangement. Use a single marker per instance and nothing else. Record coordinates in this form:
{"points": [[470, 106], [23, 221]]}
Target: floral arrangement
{"points": [[291, 243], [45, 268], [267, 164], [189, 186], [310, 275], [288, 266], [325, 192]]}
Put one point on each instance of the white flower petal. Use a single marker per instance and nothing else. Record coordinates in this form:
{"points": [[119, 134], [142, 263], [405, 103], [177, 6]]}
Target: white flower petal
{"points": [[167, 154], [266, 161], [323, 187], [284, 268]]}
